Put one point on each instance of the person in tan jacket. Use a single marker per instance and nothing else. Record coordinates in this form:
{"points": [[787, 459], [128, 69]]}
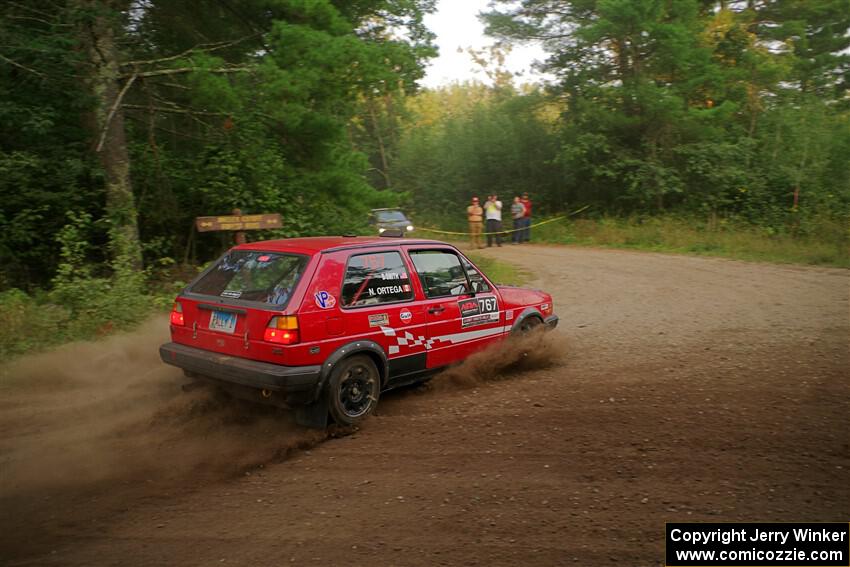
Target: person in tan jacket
{"points": [[475, 216]]}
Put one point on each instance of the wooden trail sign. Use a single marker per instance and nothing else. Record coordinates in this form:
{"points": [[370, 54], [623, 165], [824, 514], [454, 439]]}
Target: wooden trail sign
{"points": [[239, 223]]}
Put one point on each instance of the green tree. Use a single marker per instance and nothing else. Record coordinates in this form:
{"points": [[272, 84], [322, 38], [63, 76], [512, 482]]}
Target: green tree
{"points": [[467, 140], [45, 168], [665, 103], [203, 105], [815, 32]]}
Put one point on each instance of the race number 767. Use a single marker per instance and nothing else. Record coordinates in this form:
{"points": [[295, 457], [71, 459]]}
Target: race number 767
{"points": [[487, 305]]}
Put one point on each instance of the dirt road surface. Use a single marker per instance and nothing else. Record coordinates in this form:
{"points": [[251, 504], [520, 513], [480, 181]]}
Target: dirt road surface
{"points": [[677, 389]]}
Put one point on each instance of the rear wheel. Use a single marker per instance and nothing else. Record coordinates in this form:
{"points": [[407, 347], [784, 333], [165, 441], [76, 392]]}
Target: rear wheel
{"points": [[353, 390]]}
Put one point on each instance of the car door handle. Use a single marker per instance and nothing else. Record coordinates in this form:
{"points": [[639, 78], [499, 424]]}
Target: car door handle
{"points": [[436, 310]]}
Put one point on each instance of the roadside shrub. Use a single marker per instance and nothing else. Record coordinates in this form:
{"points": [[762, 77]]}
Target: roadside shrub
{"points": [[97, 304], [27, 324], [82, 304]]}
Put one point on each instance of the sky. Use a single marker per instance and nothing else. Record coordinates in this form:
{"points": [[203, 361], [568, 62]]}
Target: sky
{"points": [[456, 24]]}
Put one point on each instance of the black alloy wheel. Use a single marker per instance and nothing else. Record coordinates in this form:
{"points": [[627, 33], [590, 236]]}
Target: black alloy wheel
{"points": [[353, 390]]}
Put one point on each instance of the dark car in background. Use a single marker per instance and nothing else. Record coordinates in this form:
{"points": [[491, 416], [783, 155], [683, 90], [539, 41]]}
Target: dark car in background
{"points": [[390, 219]]}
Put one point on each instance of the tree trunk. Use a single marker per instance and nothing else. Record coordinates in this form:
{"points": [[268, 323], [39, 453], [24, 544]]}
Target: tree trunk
{"points": [[98, 38], [376, 128]]}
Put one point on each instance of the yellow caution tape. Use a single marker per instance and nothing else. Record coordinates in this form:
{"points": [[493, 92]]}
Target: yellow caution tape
{"points": [[541, 223]]}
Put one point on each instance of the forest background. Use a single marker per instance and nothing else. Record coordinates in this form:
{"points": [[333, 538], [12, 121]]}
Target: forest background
{"points": [[701, 126]]}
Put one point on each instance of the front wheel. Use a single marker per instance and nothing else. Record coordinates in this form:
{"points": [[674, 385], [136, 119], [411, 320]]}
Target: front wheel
{"points": [[529, 324], [353, 390]]}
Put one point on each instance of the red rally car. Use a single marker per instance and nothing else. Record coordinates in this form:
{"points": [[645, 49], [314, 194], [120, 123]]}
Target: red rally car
{"points": [[324, 325]]}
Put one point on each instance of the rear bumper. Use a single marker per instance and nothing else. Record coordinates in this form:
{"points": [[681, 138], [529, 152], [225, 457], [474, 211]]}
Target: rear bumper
{"points": [[241, 371], [551, 321]]}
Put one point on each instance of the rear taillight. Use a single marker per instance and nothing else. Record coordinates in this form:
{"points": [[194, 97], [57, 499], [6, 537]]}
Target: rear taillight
{"points": [[177, 314], [282, 330]]}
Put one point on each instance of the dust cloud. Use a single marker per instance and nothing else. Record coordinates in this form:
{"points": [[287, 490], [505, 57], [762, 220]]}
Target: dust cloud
{"points": [[536, 350], [90, 428], [110, 410]]}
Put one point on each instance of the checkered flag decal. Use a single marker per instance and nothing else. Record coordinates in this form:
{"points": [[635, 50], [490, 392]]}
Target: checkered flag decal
{"points": [[407, 339]]}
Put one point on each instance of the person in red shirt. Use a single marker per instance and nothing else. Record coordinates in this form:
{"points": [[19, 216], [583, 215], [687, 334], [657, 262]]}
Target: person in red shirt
{"points": [[526, 232]]}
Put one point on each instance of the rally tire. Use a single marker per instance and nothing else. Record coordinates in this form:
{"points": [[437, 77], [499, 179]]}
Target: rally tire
{"points": [[353, 389], [529, 324]]}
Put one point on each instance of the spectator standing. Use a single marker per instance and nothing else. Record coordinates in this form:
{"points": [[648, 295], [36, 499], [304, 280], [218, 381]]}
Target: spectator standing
{"points": [[526, 232], [518, 216], [493, 214], [475, 216]]}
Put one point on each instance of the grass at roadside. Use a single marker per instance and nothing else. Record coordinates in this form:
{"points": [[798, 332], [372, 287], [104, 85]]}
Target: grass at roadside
{"points": [[34, 323], [499, 272], [830, 247]]}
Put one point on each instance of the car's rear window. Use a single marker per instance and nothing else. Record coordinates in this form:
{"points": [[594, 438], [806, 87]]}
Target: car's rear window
{"points": [[265, 277]]}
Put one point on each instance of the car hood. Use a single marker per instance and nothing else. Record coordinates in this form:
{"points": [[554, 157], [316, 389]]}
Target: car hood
{"points": [[514, 296], [394, 224]]}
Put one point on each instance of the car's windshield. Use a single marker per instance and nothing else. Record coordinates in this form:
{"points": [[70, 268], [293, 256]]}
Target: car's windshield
{"points": [[253, 276], [390, 216]]}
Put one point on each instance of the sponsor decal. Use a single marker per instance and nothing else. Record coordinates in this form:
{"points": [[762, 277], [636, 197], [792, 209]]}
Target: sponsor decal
{"points": [[468, 307], [379, 320], [509, 314], [324, 300], [231, 293], [483, 319], [405, 316], [480, 320], [481, 310], [544, 306]]}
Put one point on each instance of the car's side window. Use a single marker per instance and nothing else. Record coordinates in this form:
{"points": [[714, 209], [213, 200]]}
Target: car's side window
{"points": [[479, 284], [378, 277], [440, 272]]}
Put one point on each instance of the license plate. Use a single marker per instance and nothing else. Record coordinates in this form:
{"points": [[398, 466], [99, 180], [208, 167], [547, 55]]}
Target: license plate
{"points": [[223, 321]]}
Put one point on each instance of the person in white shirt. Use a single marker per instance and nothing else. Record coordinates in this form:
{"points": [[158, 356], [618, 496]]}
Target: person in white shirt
{"points": [[493, 214]]}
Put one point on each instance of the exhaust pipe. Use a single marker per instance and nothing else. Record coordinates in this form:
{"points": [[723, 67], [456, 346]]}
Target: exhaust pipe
{"points": [[266, 393]]}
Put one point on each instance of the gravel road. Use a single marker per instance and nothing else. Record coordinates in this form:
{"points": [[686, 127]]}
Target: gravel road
{"points": [[676, 389]]}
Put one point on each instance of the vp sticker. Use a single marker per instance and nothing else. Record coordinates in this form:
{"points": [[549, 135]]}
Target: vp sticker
{"points": [[324, 300], [405, 316]]}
